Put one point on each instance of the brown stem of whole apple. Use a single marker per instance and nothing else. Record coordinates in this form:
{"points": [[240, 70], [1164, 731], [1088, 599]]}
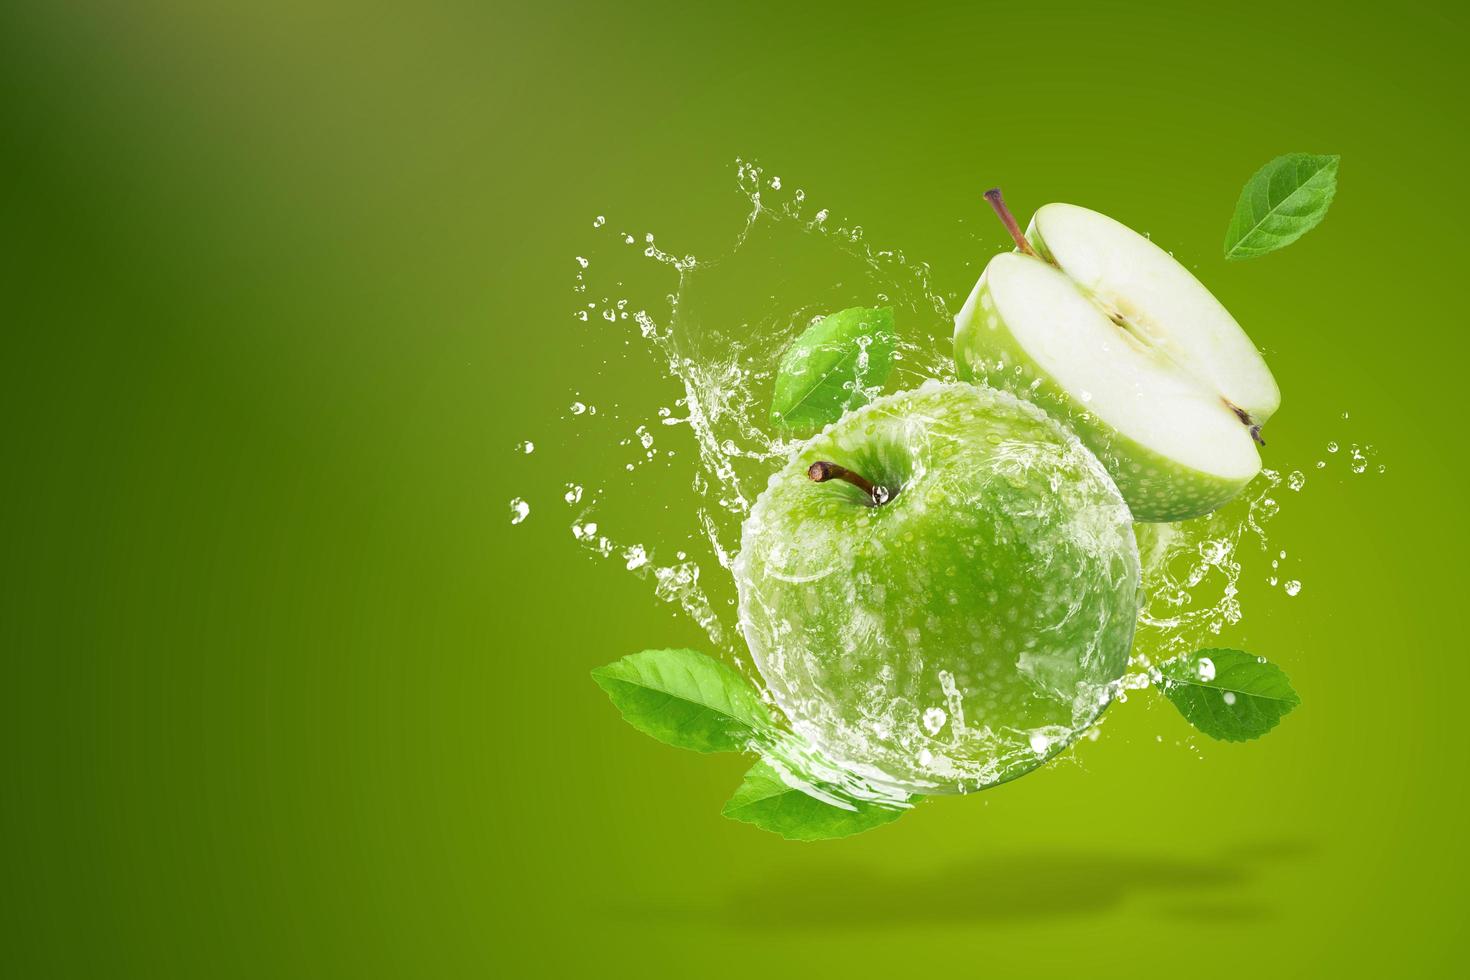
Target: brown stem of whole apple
{"points": [[822, 471]]}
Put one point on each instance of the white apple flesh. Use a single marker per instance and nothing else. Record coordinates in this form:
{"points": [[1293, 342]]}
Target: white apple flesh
{"points": [[1108, 332]]}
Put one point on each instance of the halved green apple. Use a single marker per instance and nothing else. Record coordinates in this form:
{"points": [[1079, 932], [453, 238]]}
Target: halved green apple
{"points": [[1109, 333]]}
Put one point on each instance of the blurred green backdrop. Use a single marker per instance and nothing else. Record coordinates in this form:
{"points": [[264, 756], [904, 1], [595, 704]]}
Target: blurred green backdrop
{"points": [[286, 695]]}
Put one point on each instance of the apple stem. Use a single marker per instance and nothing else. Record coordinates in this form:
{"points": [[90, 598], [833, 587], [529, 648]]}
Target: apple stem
{"points": [[822, 471], [1009, 220]]}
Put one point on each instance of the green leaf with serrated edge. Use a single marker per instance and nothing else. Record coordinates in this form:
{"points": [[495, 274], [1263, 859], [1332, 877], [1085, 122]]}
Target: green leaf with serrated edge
{"points": [[829, 369], [686, 699], [1228, 694], [768, 801], [1286, 198]]}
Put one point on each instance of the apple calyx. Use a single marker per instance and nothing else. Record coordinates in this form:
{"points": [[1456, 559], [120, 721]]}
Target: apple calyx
{"points": [[821, 471], [1248, 421]]}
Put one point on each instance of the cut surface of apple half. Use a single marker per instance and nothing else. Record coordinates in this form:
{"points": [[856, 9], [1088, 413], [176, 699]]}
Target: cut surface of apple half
{"points": [[1106, 330]]}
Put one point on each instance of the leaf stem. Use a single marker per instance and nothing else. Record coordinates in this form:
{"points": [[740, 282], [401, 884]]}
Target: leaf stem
{"points": [[822, 471]]}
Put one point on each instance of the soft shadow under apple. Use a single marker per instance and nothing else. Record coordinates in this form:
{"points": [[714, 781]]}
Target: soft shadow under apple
{"points": [[1037, 885]]}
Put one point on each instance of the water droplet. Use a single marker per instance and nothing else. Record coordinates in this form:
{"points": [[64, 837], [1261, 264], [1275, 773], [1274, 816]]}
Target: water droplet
{"points": [[528, 447], [582, 262], [578, 408], [599, 221], [934, 720], [1296, 480], [1293, 587], [1229, 696], [573, 494], [1205, 667], [519, 510], [1332, 447]]}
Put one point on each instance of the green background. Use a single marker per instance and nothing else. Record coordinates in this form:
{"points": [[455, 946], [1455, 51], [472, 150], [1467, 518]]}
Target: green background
{"points": [[286, 695]]}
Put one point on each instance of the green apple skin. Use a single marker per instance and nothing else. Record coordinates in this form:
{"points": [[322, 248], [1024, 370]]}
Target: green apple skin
{"points": [[966, 630], [1157, 489]]}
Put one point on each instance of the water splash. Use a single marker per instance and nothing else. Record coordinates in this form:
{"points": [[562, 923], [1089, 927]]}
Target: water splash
{"points": [[701, 442], [716, 327]]}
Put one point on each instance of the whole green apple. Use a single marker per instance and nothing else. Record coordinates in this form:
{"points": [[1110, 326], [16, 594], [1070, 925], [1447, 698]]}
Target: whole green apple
{"points": [[1107, 332], [940, 589]]}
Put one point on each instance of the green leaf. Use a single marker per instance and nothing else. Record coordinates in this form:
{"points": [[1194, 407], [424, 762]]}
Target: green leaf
{"points": [[1228, 694], [830, 368], [1286, 198], [766, 800], [686, 699]]}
